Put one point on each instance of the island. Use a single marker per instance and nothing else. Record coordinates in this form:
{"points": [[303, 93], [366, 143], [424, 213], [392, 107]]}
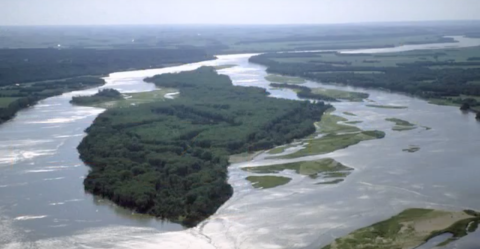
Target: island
{"points": [[103, 95], [169, 158]]}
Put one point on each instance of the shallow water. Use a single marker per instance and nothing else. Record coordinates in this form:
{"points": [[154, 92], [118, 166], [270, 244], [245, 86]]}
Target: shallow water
{"points": [[43, 204]]}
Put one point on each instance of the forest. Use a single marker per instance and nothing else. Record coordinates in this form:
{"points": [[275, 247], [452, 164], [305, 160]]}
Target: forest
{"points": [[169, 158], [415, 74], [23, 95]]}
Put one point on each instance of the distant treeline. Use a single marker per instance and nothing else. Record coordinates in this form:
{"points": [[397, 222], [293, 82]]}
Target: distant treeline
{"points": [[170, 158], [28, 65], [416, 78], [29, 94]]}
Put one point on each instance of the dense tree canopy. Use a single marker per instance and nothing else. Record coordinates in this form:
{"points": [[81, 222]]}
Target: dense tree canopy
{"points": [[170, 158], [103, 95]]}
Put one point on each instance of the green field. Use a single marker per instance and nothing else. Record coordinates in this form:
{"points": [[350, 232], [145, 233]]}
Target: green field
{"points": [[328, 168], [401, 125], [265, 182], [330, 124], [339, 94], [333, 142]]}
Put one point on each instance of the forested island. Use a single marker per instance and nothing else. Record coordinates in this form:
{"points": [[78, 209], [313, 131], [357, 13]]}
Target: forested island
{"points": [[169, 158], [29, 75], [103, 95], [448, 76]]}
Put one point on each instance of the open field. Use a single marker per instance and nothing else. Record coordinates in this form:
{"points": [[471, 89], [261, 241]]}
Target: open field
{"points": [[265, 182], [333, 142], [338, 94], [408, 229]]}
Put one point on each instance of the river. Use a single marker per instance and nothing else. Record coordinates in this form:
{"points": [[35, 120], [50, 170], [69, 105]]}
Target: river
{"points": [[43, 204]]}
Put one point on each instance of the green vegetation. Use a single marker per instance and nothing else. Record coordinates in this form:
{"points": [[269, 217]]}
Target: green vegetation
{"points": [[170, 158], [336, 181], [129, 99], [224, 66], [31, 65], [349, 114], [275, 78], [16, 97], [354, 122], [412, 149], [265, 182], [103, 95], [305, 92], [51, 72], [401, 125], [329, 124], [326, 167], [6, 101], [281, 149], [339, 94], [408, 229], [333, 142], [388, 106], [444, 76]]}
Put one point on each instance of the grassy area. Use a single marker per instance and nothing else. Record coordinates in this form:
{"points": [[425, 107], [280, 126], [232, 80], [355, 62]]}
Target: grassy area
{"points": [[401, 125], [333, 142], [329, 124], [354, 122], [408, 229], [330, 182], [339, 94], [220, 67], [281, 149], [412, 149], [276, 78], [265, 182], [388, 106], [349, 114], [131, 99], [327, 167], [5, 101]]}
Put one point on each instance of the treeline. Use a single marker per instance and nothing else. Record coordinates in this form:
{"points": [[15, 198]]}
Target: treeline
{"points": [[169, 159], [305, 92], [415, 78], [103, 95], [30, 94], [28, 65]]}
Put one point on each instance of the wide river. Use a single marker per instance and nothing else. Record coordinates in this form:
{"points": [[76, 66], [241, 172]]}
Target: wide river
{"points": [[43, 204]]}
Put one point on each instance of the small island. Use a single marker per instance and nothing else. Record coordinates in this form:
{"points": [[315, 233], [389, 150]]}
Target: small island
{"points": [[103, 95]]}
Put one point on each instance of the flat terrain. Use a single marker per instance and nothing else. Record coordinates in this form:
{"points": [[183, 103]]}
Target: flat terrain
{"points": [[407, 230]]}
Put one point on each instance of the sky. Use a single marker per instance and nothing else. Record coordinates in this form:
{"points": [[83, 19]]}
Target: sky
{"points": [[112, 12]]}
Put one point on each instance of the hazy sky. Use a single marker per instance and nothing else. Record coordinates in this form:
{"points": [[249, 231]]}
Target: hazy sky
{"points": [[67, 12]]}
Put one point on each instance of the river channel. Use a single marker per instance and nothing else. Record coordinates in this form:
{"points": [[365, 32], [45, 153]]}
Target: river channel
{"points": [[43, 204]]}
